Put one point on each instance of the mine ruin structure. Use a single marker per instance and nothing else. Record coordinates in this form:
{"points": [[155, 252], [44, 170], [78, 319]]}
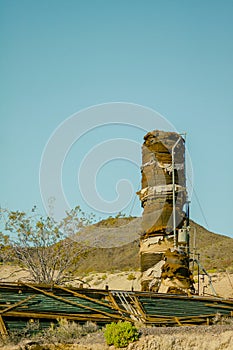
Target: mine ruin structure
{"points": [[164, 244]]}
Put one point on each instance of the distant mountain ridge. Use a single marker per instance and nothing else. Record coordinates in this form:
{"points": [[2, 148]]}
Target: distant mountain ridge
{"points": [[216, 251]]}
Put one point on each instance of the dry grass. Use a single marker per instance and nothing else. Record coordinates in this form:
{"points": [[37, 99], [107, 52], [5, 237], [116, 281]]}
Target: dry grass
{"points": [[65, 332]]}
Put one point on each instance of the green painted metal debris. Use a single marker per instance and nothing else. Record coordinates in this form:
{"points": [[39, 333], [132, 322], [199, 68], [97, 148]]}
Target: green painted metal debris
{"points": [[21, 303]]}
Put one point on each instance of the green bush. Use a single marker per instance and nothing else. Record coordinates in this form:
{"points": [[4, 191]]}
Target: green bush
{"points": [[131, 277], [120, 334]]}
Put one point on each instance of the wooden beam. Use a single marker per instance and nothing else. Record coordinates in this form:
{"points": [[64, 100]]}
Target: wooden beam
{"points": [[71, 317], [116, 306], [178, 321], [112, 306], [139, 307], [17, 304], [3, 329], [228, 307], [64, 300]]}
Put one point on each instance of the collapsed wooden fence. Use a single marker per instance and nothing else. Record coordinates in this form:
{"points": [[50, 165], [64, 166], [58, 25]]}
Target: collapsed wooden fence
{"points": [[21, 303]]}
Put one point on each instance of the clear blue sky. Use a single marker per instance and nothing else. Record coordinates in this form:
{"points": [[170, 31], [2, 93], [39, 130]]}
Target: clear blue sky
{"points": [[58, 57]]}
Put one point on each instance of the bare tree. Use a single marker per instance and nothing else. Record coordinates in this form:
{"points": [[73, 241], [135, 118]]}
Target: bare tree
{"points": [[45, 248]]}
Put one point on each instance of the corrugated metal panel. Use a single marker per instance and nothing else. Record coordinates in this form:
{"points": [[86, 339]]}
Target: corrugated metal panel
{"points": [[179, 308]]}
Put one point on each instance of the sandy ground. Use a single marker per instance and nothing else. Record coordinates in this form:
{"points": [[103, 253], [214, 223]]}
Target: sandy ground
{"points": [[222, 282]]}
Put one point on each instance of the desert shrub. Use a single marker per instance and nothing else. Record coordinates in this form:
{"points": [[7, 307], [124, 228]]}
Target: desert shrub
{"points": [[96, 283], [28, 332], [131, 277], [120, 334], [222, 320], [50, 251], [89, 327], [67, 331]]}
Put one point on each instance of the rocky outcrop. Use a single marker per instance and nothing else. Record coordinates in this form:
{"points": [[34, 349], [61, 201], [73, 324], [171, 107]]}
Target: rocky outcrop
{"points": [[163, 175]]}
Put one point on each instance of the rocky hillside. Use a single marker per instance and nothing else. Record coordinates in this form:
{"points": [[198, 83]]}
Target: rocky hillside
{"points": [[216, 251], [118, 254]]}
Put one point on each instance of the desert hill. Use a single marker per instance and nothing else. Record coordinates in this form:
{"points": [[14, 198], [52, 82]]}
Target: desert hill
{"points": [[216, 251], [119, 266]]}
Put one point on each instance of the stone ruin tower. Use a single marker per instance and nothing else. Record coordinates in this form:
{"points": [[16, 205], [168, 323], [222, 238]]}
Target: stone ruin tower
{"points": [[164, 244]]}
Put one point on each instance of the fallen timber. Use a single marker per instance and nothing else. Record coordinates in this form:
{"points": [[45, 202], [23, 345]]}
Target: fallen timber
{"points": [[21, 303]]}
